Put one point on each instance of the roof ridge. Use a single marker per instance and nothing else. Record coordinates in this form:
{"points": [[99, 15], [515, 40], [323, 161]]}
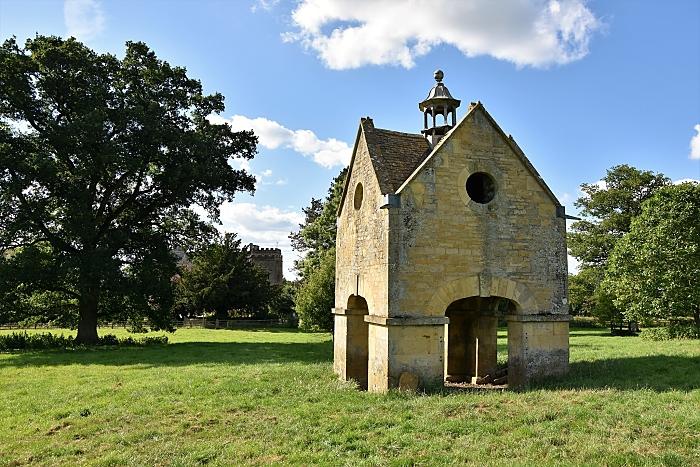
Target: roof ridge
{"points": [[418, 135]]}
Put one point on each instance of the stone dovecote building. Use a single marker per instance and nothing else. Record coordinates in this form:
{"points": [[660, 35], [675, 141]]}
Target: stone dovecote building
{"points": [[439, 236]]}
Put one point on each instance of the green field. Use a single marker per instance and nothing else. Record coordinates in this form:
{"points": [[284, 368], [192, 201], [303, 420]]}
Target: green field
{"points": [[270, 396]]}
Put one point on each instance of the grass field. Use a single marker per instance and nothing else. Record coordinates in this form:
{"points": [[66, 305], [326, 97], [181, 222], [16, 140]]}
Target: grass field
{"points": [[261, 397]]}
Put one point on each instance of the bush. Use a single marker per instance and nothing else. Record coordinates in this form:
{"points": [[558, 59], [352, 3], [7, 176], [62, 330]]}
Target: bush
{"points": [[316, 296], [655, 334], [25, 341], [684, 331], [672, 331]]}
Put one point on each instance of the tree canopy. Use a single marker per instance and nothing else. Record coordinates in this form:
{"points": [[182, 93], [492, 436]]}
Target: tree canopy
{"points": [[221, 279], [608, 208], [654, 269], [317, 234], [316, 239], [101, 160]]}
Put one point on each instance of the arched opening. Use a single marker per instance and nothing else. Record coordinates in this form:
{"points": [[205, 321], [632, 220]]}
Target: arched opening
{"points": [[357, 199], [357, 341], [473, 352]]}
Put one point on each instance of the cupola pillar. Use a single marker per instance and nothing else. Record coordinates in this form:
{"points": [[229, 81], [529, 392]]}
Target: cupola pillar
{"points": [[438, 106]]}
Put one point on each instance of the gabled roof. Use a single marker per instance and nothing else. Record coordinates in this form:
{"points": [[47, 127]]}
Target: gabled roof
{"points": [[397, 158], [507, 138], [394, 155]]}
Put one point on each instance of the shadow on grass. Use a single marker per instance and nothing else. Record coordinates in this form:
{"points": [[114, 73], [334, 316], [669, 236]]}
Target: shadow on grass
{"points": [[657, 372], [180, 354]]}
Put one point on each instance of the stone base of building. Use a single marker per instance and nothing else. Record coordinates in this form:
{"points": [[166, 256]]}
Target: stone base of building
{"points": [[538, 347], [382, 353]]}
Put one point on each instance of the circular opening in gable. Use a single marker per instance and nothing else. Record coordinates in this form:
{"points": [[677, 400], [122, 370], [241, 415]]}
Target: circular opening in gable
{"points": [[357, 200], [481, 187]]}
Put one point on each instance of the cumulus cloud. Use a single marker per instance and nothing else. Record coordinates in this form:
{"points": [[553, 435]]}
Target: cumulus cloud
{"points": [[272, 135], [84, 19], [695, 143], [353, 33], [266, 226]]}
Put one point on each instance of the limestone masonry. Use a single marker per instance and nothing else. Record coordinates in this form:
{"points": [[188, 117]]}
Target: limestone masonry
{"points": [[270, 259], [439, 236]]}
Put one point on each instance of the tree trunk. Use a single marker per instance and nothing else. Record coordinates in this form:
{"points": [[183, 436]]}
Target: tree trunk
{"points": [[87, 305]]}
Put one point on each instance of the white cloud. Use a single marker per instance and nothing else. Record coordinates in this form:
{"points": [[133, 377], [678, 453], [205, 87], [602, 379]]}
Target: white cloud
{"points": [[573, 264], [266, 226], [266, 5], [353, 33], [84, 19], [685, 180], [266, 173], [272, 135], [695, 143]]}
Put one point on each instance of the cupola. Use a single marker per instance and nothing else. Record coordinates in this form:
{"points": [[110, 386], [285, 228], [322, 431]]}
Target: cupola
{"points": [[438, 103]]}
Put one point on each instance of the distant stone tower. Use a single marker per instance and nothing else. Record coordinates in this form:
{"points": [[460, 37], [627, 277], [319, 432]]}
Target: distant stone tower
{"points": [[270, 259], [440, 235]]}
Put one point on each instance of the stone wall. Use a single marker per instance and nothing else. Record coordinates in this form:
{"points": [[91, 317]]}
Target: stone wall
{"points": [[439, 233], [362, 240]]}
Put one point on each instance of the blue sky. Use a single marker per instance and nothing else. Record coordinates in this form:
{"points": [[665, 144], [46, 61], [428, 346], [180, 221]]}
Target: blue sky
{"points": [[581, 85]]}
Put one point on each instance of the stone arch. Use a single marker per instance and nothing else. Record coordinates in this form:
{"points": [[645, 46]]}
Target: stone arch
{"points": [[481, 285], [357, 344]]}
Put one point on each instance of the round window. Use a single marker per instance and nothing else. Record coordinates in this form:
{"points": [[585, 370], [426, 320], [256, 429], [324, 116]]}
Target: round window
{"points": [[481, 187], [357, 200]]}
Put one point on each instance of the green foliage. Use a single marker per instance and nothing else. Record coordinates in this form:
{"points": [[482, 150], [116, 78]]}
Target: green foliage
{"points": [[222, 280], [654, 269], [316, 295], [581, 290], [25, 341], [672, 331], [607, 209], [316, 239], [281, 305], [317, 234], [97, 192]]}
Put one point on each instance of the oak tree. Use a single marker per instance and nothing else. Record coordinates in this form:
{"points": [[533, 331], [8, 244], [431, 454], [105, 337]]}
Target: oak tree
{"points": [[101, 161]]}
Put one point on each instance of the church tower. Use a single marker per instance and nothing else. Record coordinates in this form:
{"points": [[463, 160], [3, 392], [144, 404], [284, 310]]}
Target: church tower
{"points": [[438, 103]]}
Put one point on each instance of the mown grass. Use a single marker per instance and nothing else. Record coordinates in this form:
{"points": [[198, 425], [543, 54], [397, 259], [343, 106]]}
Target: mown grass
{"points": [[269, 396]]}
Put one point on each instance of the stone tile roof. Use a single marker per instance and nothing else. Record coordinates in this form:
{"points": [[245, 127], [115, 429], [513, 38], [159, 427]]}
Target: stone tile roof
{"points": [[394, 155]]}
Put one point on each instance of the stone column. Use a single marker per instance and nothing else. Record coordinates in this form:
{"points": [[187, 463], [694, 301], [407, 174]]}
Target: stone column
{"points": [[484, 346], [407, 351], [538, 347]]}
